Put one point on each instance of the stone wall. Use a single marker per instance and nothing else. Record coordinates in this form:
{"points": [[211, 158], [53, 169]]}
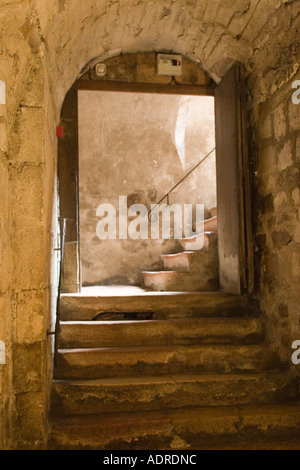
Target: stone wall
{"points": [[139, 146], [28, 155], [5, 270]]}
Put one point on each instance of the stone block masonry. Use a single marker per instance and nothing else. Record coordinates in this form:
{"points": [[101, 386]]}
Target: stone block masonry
{"points": [[277, 221]]}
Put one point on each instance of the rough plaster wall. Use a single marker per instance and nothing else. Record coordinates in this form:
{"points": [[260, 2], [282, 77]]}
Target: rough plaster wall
{"points": [[277, 217], [41, 39], [132, 144]]}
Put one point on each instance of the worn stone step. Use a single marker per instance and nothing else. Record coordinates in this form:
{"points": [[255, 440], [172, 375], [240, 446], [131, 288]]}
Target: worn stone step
{"points": [[83, 307], [202, 241], [178, 262], [206, 280], [131, 394], [190, 428], [202, 263], [166, 281], [99, 334], [133, 362]]}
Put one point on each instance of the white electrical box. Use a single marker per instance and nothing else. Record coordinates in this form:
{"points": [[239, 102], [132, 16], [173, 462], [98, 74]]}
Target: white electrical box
{"points": [[169, 64]]}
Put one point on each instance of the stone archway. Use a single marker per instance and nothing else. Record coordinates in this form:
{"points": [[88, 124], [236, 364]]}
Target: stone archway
{"points": [[138, 73], [34, 219]]}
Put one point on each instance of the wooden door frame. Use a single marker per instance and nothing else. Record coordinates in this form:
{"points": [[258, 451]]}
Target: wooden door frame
{"points": [[234, 198], [68, 192]]}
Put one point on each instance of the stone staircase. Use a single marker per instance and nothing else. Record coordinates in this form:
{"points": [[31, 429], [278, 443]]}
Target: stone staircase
{"points": [[194, 269], [168, 370]]}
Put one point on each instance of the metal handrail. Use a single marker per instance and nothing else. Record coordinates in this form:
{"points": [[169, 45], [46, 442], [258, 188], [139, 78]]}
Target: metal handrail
{"points": [[167, 195]]}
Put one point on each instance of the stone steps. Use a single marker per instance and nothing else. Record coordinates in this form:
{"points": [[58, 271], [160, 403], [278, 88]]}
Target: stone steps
{"points": [[129, 394], [197, 375], [78, 307], [177, 429], [99, 334], [195, 269], [178, 261], [162, 360]]}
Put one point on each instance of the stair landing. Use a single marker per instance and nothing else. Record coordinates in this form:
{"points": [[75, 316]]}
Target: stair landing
{"points": [[117, 302]]}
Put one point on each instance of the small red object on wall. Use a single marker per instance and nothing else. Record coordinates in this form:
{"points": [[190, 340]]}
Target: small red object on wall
{"points": [[59, 132]]}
